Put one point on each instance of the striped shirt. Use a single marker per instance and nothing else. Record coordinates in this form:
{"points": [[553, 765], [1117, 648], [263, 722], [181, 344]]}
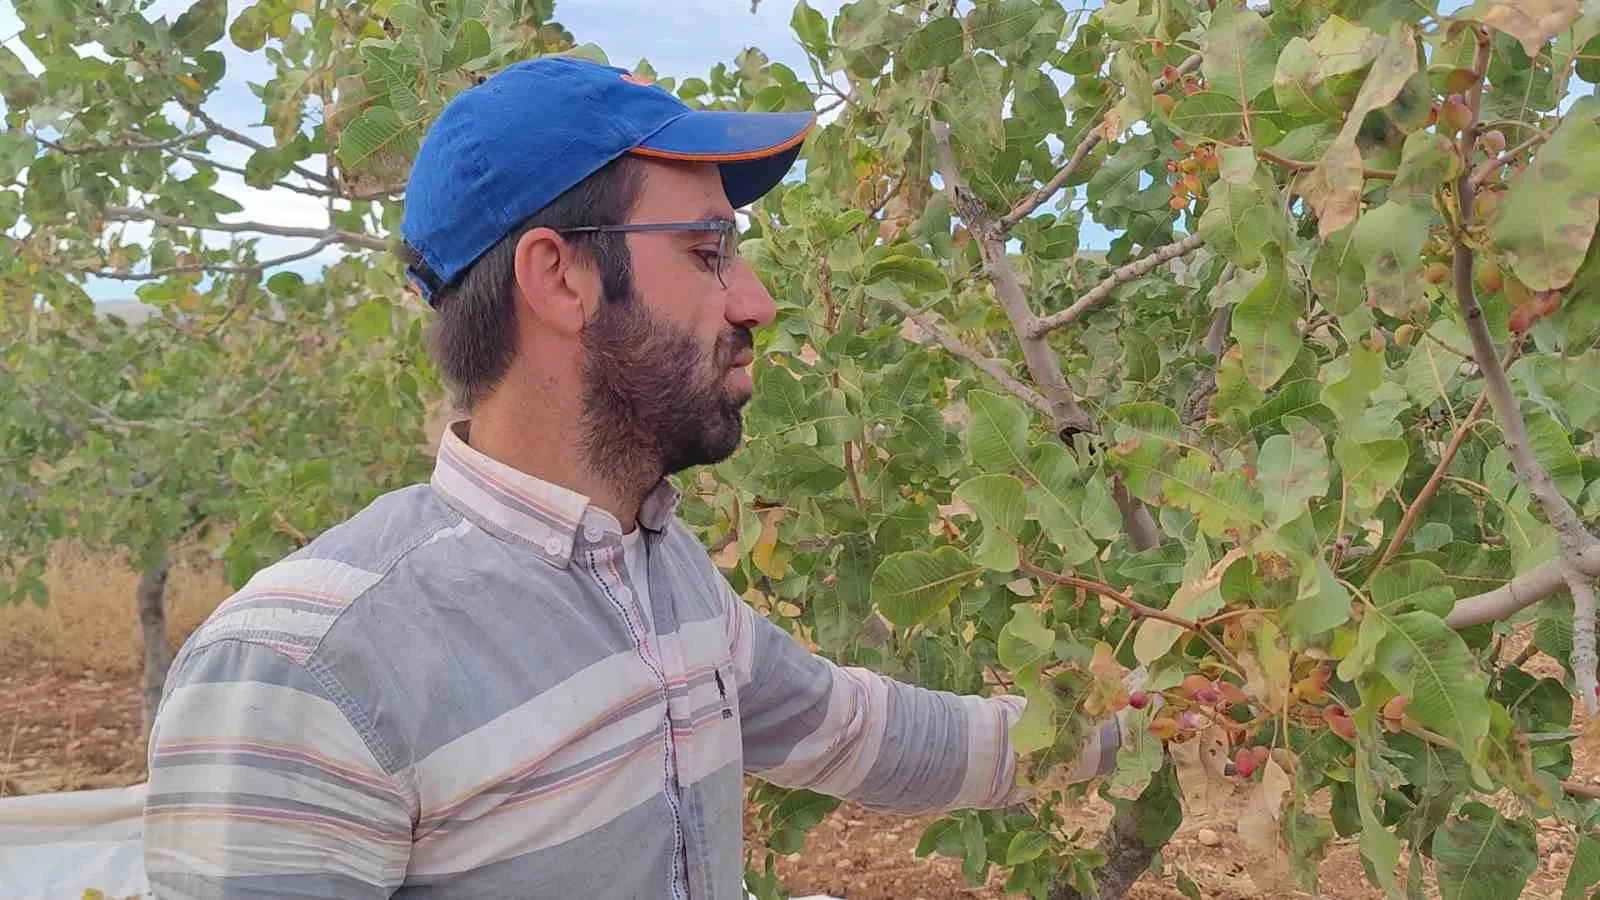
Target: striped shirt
{"points": [[457, 693]]}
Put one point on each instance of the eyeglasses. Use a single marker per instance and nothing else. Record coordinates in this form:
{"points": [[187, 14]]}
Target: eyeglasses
{"points": [[727, 243]]}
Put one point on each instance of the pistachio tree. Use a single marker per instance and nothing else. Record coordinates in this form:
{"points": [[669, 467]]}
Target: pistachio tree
{"points": [[1229, 367]]}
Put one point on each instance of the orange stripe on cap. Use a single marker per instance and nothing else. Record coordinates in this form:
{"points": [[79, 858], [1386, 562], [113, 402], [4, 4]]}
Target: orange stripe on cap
{"points": [[742, 156]]}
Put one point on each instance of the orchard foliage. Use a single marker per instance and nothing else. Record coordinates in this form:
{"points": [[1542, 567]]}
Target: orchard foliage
{"points": [[1298, 447]]}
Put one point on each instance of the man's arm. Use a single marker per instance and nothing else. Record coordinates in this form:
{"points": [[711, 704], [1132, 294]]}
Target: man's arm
{"points": [[852, 733], [260, 786]]}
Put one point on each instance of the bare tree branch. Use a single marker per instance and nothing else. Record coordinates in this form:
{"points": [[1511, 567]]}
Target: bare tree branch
{"points": [[1296, 165], [1067, 416], [1575, 540], [1144, 265], [1521, 592], [224, 131], [1086, 146], [333, 235], [988, 366]]}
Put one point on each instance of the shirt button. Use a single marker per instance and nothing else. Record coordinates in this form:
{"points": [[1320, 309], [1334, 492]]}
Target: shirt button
{"points": [[555, 546], [592, 534]]}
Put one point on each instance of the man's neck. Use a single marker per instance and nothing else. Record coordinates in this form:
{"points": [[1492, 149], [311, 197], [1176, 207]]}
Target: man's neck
{"points": [[547, 444]]}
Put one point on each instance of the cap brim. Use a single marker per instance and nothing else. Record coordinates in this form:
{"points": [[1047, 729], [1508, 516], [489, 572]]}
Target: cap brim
{"points": [[754, 150]]}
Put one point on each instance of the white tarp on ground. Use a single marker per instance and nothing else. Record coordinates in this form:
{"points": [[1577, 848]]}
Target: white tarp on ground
{"points": [[56, 846]]}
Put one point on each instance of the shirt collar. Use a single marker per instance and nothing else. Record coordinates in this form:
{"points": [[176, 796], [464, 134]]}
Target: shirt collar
{"points": [[551, 519]]}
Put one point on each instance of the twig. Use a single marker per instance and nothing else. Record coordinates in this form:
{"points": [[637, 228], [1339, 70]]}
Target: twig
{"points": [[1297, 165], [1135, 607], [1445, 459], [852, 478], [333, 235], [1574, 538], [988, 366], [224, 131], [199, 160], [1144, 265], [1067, 416], [224, 268], [1034, 200], [1482, 171], [126, 146], [1464, 354]]}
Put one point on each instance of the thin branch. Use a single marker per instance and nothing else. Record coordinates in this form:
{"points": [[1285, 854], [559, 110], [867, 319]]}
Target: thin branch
{"points": [[1142, 266], [125, 146], [1297, 165], [1445, 459], [1135, 607], [334, 235], [222, 268], [1086, 146], [224, 131], [1065, 413], [988, 366], [1482, 171]]}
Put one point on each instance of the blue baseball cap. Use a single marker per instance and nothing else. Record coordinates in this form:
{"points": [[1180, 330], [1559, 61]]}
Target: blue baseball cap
{"points": [[504, 149]]}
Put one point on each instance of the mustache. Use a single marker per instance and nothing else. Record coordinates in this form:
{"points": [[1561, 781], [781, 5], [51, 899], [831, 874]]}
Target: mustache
{"points": [[732, 342]]}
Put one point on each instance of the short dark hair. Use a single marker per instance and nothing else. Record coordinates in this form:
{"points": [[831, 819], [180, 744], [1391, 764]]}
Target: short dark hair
{"points": [[471, 337]]}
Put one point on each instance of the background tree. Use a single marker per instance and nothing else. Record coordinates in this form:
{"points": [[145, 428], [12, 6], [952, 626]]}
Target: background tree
{"points": [[1306, 443]]}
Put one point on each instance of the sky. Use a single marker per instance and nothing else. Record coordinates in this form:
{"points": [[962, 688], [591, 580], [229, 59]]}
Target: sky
{"points": [[680, 38]]}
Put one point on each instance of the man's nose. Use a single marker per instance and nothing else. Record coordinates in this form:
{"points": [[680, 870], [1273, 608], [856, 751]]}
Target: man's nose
{"points": [[749, 303]]}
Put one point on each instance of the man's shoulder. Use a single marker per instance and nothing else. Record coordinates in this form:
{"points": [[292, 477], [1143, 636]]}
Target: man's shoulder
{"points": [[292, 604]]}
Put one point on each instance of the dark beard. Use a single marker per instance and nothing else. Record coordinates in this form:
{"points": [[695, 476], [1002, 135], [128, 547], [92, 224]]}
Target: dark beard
{"points": [[652, 406]]}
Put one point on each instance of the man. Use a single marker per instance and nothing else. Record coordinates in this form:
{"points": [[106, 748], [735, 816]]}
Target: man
{"points": [[525, 678]]}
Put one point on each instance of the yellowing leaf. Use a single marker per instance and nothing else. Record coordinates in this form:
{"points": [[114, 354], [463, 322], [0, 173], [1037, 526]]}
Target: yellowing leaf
{"points": [[1333, 188], [1193, 600], [1531, 21], [765, 553], [1268, 860], [1201, 762]]}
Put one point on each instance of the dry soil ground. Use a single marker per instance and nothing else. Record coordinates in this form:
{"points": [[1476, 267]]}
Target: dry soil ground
{"points": [[69, 719]]}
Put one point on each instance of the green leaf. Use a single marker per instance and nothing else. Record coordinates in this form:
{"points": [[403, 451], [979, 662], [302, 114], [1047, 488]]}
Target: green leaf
{"points": [[1429, 662], [249, 30], [1545, 221], [998, 23], [913, 274], [971, 102], [784, 401], [1389, 240], [370, 320], [1208, 114], [1026, 846], [244, 469], [997, 434], [1482, 854], [1199, 596], [810, 26], [18, 87], [1585, 869], [1364, 654], [378, 141], [471, 43], [1305, 68], [200, 26], [1379, 847], [1239, 53], [1035, 730], [1337, 274], [1024, 640], [1320, 604], [935, 44], [1370, 469], [1293, 469], [1221, 501], [999, 502], [1265, 326], [1427, 161], [1243, 217], [1552, 449], [911, 587]]}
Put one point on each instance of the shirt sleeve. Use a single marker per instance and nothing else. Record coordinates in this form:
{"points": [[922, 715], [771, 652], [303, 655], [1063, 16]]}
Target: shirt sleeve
{"points": [[883, 744], [260, 786]]}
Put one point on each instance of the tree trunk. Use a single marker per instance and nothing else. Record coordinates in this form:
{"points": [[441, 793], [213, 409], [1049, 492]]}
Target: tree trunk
{"points": [[1127, 859], [152, 595]]}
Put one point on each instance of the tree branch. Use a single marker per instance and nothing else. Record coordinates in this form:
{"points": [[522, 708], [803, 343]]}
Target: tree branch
{"points": [[988, 366], [1482, 171], [1138, 609], [224, 131], [1086, 146], [1065, 413], [1144, 265], [1434, 480], [1521, 592], [1297, 165], [125, 146], [1575, 540], [333, 235], [223, 268]]}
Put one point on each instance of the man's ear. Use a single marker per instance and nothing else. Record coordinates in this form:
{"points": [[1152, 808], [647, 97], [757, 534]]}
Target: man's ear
{"points": [[554, 283]]}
